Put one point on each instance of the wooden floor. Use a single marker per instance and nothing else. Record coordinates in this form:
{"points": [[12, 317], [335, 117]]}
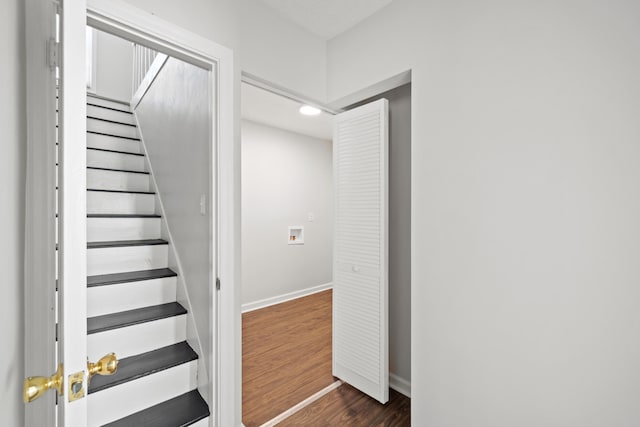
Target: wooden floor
{"points": [[286, 357]]}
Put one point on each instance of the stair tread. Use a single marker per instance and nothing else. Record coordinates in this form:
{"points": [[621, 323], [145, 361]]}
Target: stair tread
{"points": [[106, 98], [130, 276], [120, 191], [111, 121], [108, 108], [141, 365], [116, 151], [180, 411], [124, 243], [123, 216], [116, 170], [133, 317], [112, 135]]}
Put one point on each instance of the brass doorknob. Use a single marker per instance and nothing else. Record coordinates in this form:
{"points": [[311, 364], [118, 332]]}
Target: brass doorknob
{"points": [[107, 365], [34, 387]]}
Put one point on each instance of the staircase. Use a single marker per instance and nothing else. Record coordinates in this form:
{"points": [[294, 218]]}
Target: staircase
{"points": [[131, 296]]}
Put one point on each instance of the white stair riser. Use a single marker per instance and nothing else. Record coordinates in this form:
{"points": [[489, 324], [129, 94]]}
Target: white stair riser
{"points": [[100, 202], [111, 128], [128, 258], [112, 180], [105, 229], [119, 297], [112, 143], [201, 423], [107, 103], [106, 159], [113, 115], [136, 339], [125, 399]]}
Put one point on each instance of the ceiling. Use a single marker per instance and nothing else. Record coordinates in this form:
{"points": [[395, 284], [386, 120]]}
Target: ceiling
{"points": [[326, 18], [261, 106]]}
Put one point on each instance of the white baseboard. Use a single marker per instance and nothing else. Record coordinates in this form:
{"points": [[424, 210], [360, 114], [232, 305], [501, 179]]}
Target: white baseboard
{"points": [[250, 306], [400, 384]]}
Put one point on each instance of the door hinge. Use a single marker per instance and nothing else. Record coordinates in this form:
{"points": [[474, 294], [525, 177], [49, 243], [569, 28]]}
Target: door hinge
{"points": [[217, 283], [53, 53], [57, 338]]}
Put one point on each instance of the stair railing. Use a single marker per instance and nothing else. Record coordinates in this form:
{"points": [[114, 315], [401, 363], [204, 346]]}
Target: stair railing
{"points": [[142, 59]]}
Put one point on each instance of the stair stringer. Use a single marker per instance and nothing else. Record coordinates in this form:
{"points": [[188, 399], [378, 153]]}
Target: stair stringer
{"points": [[182, 293]]}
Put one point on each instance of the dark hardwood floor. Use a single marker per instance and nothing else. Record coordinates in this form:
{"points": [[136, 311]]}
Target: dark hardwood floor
{"points": [[286, 357]]}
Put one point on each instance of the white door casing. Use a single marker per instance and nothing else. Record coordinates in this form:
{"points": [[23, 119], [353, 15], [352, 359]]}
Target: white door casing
{"points": [[360, 267]]}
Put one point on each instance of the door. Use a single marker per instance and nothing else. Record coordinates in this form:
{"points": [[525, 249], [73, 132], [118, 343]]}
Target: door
{"points": [[56, 188], [360, 266]]}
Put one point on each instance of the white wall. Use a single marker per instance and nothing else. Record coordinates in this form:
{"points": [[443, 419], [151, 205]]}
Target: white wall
{"points": [[264, 43], [285, 176], [114, 66], [12, 163], [525, 231], [174, 122]]}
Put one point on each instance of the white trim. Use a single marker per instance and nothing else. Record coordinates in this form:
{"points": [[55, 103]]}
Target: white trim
{"points": [[373, 90], [267, 302], [400, 385], [145, 84], [308, 401], [92, 61], [127, 21]]}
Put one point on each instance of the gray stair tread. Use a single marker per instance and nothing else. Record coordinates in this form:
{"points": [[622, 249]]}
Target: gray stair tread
{"points": [[141, 365], [130, 276], [116, 151], [180, 411], [120, 191], [123, 243], [112, 135], [89, 104], [122, 216], [117, 170], [133, 317]]}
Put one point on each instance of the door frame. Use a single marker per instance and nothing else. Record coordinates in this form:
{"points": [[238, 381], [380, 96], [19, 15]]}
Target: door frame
{"points": [[122, 19]]}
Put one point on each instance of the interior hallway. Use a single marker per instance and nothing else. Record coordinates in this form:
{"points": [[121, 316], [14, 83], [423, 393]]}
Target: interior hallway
{"points": [[286, 357]]}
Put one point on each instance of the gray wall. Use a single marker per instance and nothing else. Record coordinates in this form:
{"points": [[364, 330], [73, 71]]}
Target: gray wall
{"points": [[114, 66], [525, 204], [285, 176], [12, 176], [174, 122], [399, 229]]}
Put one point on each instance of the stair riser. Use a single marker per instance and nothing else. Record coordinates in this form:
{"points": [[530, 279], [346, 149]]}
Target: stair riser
{"points": [[129, 296], [117, 402], [112, 143], [112, 180], [116, 129], [105, 159], [115, 116], [201, 423], [107, 103], [136, 339], [128, 258], [99, 202], [105, 229]]}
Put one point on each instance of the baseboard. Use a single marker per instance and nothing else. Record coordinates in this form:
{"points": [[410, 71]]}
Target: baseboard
{"points": [[400, 384], [250, 306]]}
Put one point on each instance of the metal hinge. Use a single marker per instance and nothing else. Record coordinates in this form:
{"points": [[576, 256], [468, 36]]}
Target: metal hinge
{"points": [[217, 283], [53, 53]]}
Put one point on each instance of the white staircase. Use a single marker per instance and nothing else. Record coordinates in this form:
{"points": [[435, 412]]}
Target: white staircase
{"points": [[131, 296]]}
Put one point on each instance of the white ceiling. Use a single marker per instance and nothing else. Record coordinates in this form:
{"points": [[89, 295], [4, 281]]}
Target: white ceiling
{"points": [[327, 18], [261, 106]]}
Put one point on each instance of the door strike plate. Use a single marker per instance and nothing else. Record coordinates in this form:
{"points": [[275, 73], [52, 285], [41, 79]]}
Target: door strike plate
{"points": [[76, 386]]}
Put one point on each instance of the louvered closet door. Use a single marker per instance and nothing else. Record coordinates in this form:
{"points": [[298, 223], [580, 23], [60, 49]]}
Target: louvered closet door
{"points": [[360, 278]]}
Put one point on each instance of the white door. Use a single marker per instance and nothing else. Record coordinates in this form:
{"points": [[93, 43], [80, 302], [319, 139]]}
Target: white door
{"points": [[360, 277], [48, 49]]}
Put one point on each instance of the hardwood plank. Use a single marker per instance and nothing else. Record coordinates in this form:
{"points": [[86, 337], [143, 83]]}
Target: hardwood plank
{"points": [[347, 406], [286, 356]]}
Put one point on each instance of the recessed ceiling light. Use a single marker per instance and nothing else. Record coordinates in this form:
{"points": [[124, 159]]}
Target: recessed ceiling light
{"points": [[308, 110]]}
